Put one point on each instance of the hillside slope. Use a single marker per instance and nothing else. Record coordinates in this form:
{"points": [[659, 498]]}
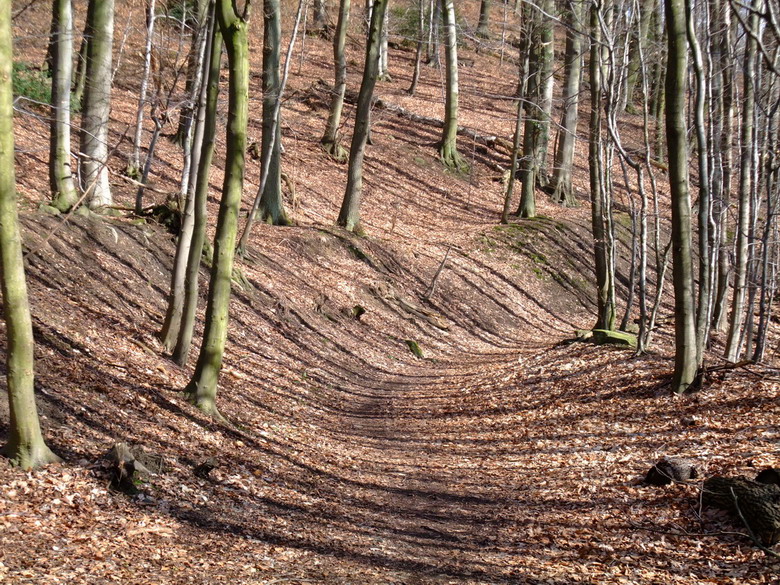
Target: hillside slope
{"points": [[502, 455]]}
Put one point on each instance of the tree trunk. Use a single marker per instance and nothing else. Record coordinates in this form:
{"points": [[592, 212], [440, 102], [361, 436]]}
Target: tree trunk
{"points": [[418, 52], [705, 201], [173, 316], [605, 278], [448, 150], [538, 104], [134, 166], [320, 16], [63, 188], [200, 197], [567, 135], [25, 446], [349, 215], [202, 389], [97, 103], [271, 208], [192, 84], [724, 155], [734, 345], [483, 26], [685, 364], [331, 140]]}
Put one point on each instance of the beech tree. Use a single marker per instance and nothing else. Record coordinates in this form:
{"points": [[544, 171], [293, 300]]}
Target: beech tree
{"points": [[567, 134], [331, 141], [97, 103], [202, 388], [26, 446], [193, 218], [685, 364], [349, 215], [63, 187], [448, 150]]}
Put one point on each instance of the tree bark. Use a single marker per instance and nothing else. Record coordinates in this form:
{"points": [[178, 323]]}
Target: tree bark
{"points": [[202, 389], [349, 215], [483, 25], [448, 150], [173, 316], [200, 197], [97, 103], [567, 135], [746, 186], [63, 187], [331, 141], [26, 447], [605, 278], [685, 364]]}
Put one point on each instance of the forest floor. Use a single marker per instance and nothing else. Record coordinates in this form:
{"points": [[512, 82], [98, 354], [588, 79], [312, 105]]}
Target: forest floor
{"points": [[501, 455]]}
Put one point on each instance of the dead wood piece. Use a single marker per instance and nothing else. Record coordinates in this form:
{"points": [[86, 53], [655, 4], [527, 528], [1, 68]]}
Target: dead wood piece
{"points": [[756, 504], [123, 467], [671, 469]]}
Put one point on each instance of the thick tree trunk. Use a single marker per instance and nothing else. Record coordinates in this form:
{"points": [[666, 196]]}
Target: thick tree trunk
{"points": [[63, 188], [686, 364], [200, 197], [538, 100], [567, 135], [349, 215], [448, 150], [25, 446], [202, 389], [331, 141], [271, 208], [483, 25], [97, 103]]}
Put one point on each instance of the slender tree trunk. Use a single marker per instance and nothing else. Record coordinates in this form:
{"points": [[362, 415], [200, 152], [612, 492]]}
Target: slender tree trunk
{"points": [[686, 364], [432, 56], [80, 76], [26, 447], [725, 157], [419, 51], [733, 345], [134, 167], [567, 135], [331, 141], [202, 389], [197, 24], [705, 203], [173, 317], [605, 280], [63, 188], [200, 197], [97, 103], [349, 215], [448, 150]]}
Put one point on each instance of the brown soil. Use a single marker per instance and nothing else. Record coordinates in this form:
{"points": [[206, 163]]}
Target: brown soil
{"points": [[500, 456]]}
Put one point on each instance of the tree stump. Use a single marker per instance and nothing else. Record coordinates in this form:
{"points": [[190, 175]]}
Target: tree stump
{"points": [[757, 505]]}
